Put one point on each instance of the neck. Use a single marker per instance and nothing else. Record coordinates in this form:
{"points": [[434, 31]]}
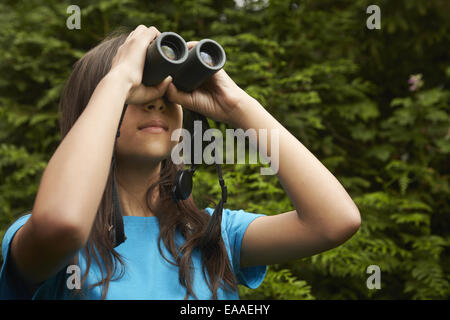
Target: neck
{"points": [[133, 181]]}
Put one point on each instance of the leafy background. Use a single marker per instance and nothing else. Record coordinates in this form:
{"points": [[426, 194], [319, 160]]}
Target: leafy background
{"points": [[339, 87]]}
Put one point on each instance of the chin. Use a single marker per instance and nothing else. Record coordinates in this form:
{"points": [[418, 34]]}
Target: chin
{"points": [[157, 151]]}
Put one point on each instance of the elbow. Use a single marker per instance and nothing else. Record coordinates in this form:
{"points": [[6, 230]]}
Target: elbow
{"points": [[59, 230], [354, 224], [347, 229], [73, 234]]}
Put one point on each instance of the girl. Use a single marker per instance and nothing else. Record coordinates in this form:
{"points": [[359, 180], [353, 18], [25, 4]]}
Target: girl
{"points": [[68, 232]]}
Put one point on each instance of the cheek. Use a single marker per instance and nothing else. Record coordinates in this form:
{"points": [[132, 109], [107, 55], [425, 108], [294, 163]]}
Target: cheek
{"points": [[127, 131], [128, 140], [125, 143]]}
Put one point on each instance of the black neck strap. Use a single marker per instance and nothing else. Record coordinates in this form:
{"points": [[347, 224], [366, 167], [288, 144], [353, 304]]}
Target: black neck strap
{"points": [[117, 229], [202, 118], [117, 232]]}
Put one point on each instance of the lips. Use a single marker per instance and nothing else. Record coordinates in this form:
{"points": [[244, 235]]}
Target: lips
{"points": [[154, 123]]}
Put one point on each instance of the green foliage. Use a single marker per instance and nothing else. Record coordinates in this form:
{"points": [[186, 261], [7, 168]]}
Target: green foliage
{"points": [[340, 88]]}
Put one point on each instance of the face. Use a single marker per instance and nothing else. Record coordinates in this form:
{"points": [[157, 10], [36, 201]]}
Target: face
{"points": [[151, 144]]}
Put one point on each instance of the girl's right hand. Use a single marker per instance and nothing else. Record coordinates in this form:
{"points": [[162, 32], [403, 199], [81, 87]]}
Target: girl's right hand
{"points": [[129, 63]]}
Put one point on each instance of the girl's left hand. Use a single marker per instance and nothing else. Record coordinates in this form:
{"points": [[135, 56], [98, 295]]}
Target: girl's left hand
{"points": [[217, 98]]}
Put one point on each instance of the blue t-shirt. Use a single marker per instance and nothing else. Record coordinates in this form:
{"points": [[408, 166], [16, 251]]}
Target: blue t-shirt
{"points": [[147, 274]]}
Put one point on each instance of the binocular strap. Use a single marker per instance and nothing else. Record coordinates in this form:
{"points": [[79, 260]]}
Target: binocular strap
{"points": [[117, 229], [117, 232]]}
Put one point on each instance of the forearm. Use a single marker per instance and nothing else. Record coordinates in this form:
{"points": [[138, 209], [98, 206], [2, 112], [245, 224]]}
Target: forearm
{"points": [[318, 197], [73, 183]]}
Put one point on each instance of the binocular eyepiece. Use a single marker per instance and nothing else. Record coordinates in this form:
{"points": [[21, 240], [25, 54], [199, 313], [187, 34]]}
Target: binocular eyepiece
{"points": [[169, 55]]}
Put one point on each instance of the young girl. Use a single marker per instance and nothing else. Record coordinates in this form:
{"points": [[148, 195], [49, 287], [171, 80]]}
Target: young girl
{"points": [[68, 232]]}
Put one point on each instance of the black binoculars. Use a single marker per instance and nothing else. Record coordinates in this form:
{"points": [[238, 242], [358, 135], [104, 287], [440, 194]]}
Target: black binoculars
{"points": [[169, 55]]}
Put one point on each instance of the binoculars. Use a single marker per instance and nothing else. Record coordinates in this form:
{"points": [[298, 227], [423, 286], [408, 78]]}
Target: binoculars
{"points": [[169, 55]]}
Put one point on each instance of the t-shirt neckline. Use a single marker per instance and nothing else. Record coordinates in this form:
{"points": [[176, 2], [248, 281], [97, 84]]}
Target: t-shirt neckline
{"points": [[130, 220]]}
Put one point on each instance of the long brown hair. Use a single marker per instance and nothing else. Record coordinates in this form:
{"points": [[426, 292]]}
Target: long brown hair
{"points": [[184, 216]]}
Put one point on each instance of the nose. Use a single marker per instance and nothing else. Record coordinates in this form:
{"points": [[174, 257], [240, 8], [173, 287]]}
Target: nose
{"points": [[158, 104]]}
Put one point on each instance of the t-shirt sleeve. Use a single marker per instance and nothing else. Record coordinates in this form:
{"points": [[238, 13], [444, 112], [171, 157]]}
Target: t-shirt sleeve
{"points": [[10, 286], [234, 224]]}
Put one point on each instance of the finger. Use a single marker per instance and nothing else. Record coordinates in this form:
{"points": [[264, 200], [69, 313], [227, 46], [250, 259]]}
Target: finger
{"points": [[191, 44], [134, 31], [137, 31], [145, 35], [129, 36], [179, 97], [140, 27], [163, 86], [146, 94], [153, 32]]}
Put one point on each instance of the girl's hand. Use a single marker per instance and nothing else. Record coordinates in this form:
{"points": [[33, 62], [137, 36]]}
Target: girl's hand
{"points": [[129, 62], [217, 98]]}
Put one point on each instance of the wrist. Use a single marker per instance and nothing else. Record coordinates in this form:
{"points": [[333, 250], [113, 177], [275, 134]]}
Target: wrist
{"points": [[121, 82], [245, 106]]}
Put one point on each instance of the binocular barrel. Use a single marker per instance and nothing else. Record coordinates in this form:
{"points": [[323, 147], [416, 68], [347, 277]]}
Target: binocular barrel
{"points": [[169, 55]]}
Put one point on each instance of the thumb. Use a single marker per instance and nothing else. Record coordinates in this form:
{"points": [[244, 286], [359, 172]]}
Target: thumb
{"points": [[154, 92], [179, 97], [161, 87], [143, 94]]}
